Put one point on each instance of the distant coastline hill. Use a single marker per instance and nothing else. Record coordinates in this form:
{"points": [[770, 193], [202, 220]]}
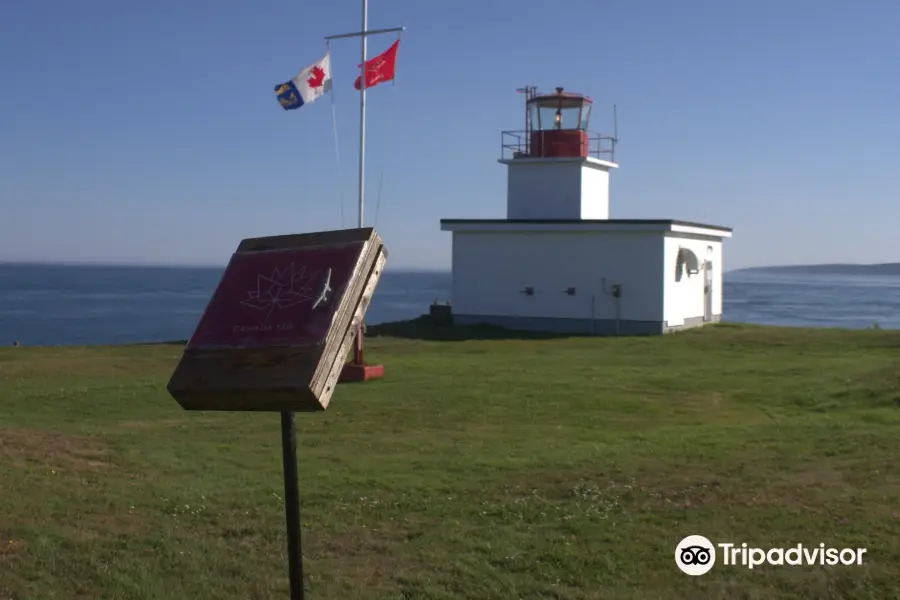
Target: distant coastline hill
{"points": [[831, 269]]}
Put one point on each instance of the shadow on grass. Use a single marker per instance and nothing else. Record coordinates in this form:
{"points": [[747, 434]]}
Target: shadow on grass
{"points": [[428, 328], [438, 330]]}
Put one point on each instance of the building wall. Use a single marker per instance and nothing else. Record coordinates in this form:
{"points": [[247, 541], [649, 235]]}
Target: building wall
{"points": [[594, 193], [567, 189], [549, 190], [684, 298], [491, 269]]}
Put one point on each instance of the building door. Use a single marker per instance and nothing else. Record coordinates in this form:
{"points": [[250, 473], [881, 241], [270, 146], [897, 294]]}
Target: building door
{"points": [[707, 291]]}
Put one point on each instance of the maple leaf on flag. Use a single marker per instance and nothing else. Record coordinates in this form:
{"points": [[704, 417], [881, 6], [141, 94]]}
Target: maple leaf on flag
{"points": [[317, 77]]}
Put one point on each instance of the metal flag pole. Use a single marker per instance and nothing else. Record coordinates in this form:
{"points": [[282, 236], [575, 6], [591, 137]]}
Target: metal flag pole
{"points": [[358, 346], [362, 114], [363, 33]]}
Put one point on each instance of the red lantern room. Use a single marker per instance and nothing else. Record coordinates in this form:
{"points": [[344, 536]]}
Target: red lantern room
{"points": [[558, 125]]}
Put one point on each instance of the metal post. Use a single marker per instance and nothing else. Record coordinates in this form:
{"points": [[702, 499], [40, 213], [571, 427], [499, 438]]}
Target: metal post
{"points": [[358, 346], [615, 139], [341, 36], [362, 113], [292, 504]]}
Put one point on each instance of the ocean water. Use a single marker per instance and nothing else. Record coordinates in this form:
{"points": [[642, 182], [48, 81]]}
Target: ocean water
{"points": [[75, 305]]}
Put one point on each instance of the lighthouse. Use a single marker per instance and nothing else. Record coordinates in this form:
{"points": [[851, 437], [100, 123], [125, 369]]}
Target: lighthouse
{"points": [[559, 262]]}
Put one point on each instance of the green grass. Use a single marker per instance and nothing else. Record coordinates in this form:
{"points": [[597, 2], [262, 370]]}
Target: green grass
{"points": [[494, 468]]}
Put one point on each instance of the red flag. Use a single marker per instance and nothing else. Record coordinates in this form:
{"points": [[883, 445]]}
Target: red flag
{"points": [[381, 68]]}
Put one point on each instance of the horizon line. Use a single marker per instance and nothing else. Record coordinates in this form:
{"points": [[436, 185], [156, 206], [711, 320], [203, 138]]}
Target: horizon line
{"points": [[151, 265]]}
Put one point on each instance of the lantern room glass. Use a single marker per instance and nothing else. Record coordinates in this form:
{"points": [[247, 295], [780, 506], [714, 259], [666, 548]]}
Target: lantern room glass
{"points": [[585, 116], [554, 114]]}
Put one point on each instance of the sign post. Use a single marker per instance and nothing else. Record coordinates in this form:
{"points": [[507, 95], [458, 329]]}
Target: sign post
{"points": [[275, 337], [292, 504]]}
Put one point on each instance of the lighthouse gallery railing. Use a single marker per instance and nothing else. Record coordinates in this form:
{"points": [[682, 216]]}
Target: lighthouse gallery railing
{"points": [[516, 144]]}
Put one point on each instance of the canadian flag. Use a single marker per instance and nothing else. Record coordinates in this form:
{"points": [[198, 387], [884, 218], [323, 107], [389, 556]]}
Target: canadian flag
{"points": [[381, 68]]}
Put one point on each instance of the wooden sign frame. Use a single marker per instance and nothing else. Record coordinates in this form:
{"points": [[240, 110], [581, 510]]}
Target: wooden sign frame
{"points": [[243, 358]]}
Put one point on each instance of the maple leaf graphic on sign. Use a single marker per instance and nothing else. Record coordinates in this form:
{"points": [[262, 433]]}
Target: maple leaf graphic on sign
{"points": [[316, 77], [284, 288]]}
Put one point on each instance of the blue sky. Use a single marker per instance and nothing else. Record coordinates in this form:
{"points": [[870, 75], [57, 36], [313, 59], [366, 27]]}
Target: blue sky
{"points": [[149, 132]]}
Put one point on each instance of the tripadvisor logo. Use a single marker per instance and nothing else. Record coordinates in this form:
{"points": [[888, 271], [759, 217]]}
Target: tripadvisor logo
{"points": [[696, 555]]}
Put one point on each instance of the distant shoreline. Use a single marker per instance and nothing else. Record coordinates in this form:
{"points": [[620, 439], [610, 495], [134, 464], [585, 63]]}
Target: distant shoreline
{"points": [[828, 269]]}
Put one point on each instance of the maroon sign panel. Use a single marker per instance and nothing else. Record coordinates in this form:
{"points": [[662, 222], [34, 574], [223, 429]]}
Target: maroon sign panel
{"points": [[274, 298]]}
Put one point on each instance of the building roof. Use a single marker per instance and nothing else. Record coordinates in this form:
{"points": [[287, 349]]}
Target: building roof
{"points": [[592, 222]]}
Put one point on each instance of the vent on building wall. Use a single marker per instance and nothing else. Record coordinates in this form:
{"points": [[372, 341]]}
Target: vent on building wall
{"points": [[687, 262]]}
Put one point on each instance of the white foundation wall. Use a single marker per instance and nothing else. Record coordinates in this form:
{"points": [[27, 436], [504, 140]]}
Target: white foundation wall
{"points": [[490, 271], [684, 299]]}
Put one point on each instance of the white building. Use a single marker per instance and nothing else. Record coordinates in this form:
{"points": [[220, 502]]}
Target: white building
{"points": [[558, 262]]}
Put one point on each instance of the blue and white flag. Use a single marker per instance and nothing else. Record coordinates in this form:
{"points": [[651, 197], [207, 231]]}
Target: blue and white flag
{"points": [[309, 85]]}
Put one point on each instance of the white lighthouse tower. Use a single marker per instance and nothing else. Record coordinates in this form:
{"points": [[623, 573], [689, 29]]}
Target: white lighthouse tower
{"points": [[558, 262]]}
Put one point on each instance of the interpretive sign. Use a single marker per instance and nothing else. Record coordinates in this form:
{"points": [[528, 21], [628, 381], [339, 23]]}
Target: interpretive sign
{"points": [[276, 333]]}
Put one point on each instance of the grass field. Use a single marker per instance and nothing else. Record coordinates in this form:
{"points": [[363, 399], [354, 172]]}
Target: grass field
{"points": [[491, 468]]}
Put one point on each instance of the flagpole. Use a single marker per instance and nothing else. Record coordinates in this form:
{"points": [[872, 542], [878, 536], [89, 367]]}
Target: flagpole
{"points": [[362, 113], [363, 33], [358, 347]]}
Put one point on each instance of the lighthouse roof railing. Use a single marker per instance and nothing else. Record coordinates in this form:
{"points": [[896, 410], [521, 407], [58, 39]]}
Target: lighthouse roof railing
{"points": [[517, 144]]}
